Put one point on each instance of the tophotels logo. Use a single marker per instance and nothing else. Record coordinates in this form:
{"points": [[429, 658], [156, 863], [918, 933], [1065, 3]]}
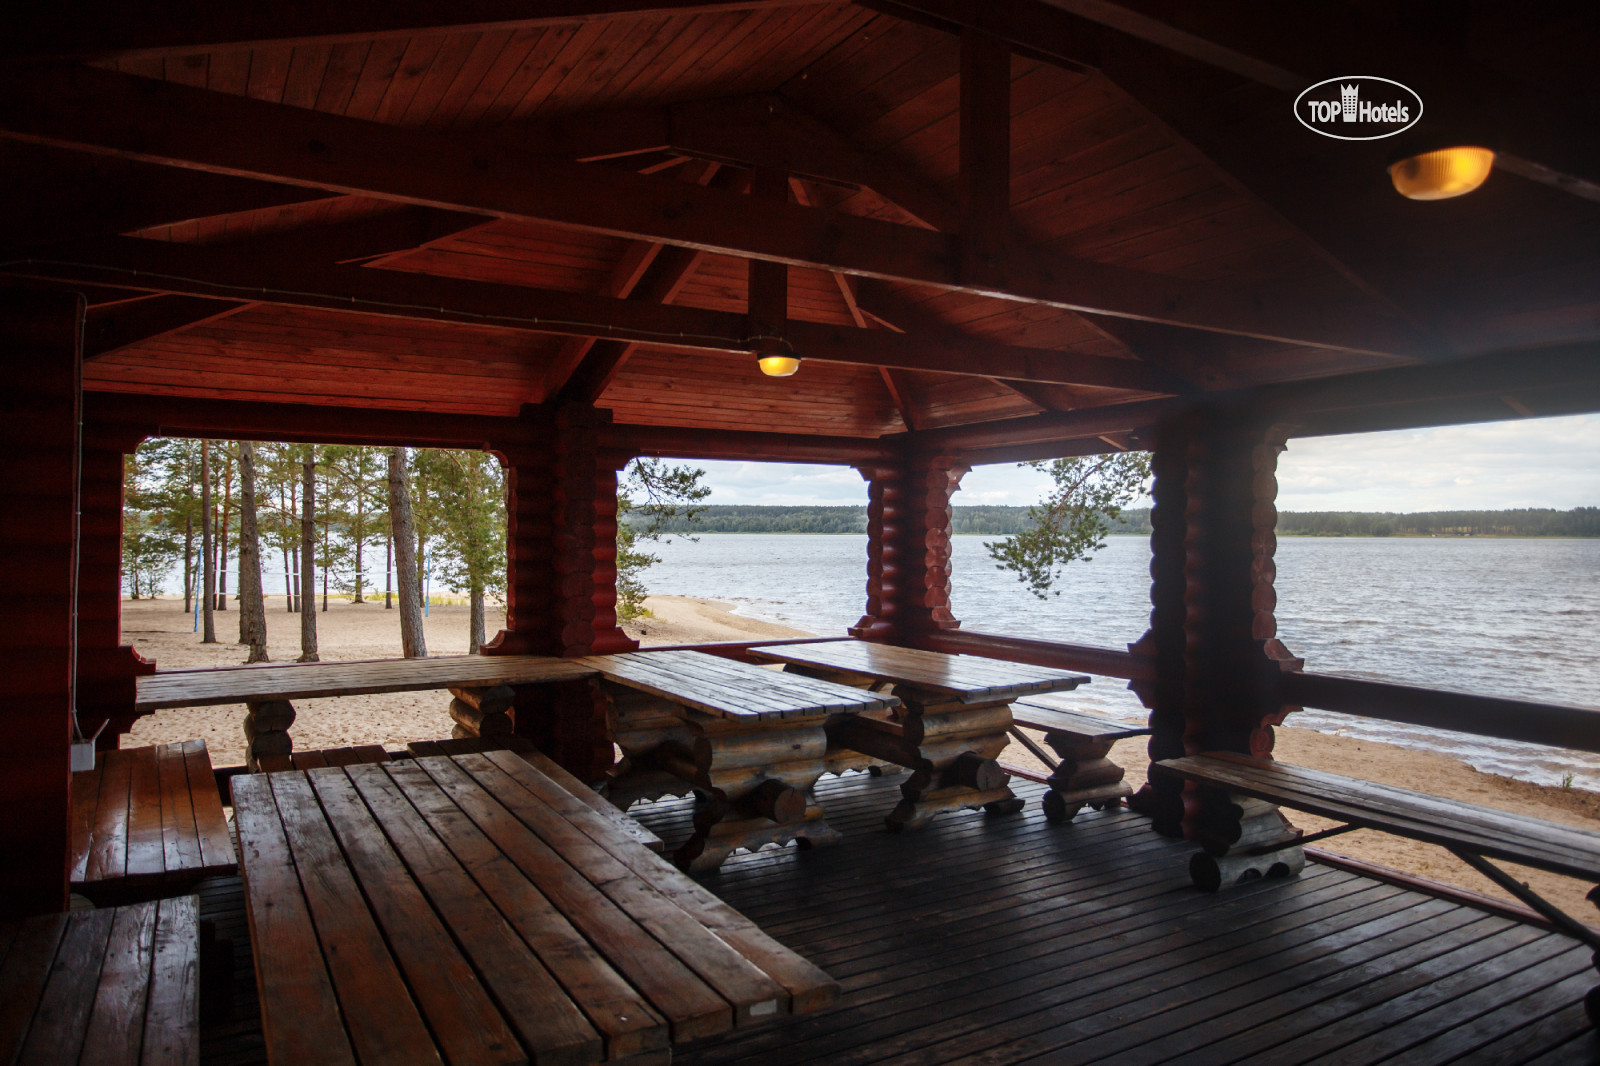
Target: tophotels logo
{"points": [[1358, 108]]}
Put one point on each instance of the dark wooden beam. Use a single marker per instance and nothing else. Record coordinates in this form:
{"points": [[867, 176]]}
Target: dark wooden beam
{"points": [[767, 283], [109, 113], [674, 443], [111, 328], [173, 416], [104, 29], [985, 148], [235, 274]]}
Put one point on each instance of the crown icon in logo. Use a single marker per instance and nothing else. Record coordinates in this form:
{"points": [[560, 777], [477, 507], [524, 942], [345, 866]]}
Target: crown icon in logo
{"points": [[1347, 97]]}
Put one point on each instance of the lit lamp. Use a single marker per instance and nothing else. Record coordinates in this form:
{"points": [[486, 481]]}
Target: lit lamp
{"points": [[775, 357], [1441, 174]]}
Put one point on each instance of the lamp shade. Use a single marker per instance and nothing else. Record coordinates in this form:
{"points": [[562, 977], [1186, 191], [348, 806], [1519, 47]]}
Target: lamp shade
{"points": [[1441, 174], [779, 366]]}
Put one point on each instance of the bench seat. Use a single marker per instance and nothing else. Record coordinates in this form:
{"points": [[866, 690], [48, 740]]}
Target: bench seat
{"points": [[311, 760], [111, 985], [1472, 833], [148, 822]]}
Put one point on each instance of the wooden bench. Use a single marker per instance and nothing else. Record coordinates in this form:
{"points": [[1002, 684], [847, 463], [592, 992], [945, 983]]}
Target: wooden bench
{"points": [[470, 909], [949, 731], [748, 742], [547, 766], [1473, 834], [110, 985], [318, 757], [147, 822], [267, 690], [1084, 773]]}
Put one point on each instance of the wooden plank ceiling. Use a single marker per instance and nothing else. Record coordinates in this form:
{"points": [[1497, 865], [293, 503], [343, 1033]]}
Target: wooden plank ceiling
{"points": [[1105, 167]]}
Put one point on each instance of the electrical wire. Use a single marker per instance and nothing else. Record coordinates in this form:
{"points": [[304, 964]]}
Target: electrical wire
{"points": [[266, 292]]}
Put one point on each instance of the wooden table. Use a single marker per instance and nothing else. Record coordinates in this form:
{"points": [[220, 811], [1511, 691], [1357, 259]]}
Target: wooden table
{"points": [[950, 731], [267, 690], [118, 984], [468, 909], [147, 822], [748, 741]]}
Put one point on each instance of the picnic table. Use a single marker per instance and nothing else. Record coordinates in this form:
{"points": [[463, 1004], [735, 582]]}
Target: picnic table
{"points": [[267, 690], [469, 909], [953, 722], [747, 741], [147, 822]]}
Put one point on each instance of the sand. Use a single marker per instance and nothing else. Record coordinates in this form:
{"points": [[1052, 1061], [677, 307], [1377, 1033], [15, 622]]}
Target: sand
{"points": [[159, 630]]}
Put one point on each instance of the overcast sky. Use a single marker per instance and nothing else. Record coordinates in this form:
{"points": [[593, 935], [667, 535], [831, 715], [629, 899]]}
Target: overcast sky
{"points": [[1552, 462]]}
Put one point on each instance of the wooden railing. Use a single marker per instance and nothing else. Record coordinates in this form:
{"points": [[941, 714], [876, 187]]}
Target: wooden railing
{"points": [[1460, 712], [1108, 662], [739, 650]]}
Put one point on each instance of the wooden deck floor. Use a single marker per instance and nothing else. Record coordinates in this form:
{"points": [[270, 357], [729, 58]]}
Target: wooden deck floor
{"points": [[1008, 940]]}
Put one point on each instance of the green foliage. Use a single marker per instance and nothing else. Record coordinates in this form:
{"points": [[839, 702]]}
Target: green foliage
{"points": [[1520, 522], [987, 519], [1073, 521], [151, 542], [465, 496], [653, 499]]}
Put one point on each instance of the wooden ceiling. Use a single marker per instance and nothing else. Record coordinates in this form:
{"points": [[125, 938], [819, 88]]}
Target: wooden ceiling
{"points": [[1171, 228]]}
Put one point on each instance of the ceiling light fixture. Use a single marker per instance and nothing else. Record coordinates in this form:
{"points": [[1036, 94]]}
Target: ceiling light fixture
{"points": [[1441, 174], [775, 357]]}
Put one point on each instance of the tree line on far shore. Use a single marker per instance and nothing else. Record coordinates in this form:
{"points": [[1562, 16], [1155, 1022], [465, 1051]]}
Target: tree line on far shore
{"points": [[1003, 521]]}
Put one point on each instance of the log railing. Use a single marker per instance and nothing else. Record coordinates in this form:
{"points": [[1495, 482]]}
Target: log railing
{"points": [[1488, 716], [739, 650], [1107, 662]]}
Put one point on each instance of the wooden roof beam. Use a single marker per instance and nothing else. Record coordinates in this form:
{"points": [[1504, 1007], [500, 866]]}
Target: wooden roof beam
{"points": [[106, 29], [109, 113], [237, 274]]}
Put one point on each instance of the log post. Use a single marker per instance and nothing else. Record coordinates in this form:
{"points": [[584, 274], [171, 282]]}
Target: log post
{"points": [[108, 670], [1217, 649], [41, 334], [908, 547], [482, 712], [561, 581]]}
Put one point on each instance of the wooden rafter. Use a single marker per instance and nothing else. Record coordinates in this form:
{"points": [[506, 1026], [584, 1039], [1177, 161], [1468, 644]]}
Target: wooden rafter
{"points": [[109, 113]]}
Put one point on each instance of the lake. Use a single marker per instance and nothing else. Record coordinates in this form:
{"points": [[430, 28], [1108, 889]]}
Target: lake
{"points": [[1516, 618]]}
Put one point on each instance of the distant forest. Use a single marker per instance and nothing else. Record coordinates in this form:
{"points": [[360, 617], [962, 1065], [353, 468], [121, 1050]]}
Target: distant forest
{"points": [[998, 521]]}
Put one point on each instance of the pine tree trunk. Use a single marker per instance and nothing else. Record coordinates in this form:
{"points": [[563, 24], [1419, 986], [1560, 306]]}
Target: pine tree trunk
{"points": [[388, 574], [294, 606], [475, 634], [403, 534], [188, 563], [308, 557], [208, 628], [284, 510], [252, 601], [359, 574], [326, 558], [222, 541]]}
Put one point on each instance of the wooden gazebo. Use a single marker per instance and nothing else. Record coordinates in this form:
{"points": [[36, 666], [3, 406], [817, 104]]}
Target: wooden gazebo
{"points": [[564, 232]]}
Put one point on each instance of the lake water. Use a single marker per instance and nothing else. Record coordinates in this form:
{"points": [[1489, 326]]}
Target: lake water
{"points": [[1516, 618]]}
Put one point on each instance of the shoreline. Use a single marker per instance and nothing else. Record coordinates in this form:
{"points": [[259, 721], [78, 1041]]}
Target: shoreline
{"points": [[160, 630]]}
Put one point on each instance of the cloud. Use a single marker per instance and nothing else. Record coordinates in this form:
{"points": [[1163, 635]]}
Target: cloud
{"points": [[1552, 462]]}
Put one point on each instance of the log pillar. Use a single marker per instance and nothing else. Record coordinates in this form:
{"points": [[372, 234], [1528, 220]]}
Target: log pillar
{"points": [[561, 582], [108, 670], [1214, 633], [41, 334], [908, 547]]}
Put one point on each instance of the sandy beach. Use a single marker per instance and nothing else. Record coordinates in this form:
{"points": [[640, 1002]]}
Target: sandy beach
{"points": [[161, 631]]}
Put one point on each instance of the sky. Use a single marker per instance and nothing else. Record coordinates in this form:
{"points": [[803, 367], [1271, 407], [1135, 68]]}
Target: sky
{"points": [[1549, 462]]}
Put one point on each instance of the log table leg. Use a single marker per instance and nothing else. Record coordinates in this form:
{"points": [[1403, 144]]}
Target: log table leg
{"points": [[1591, 1002], [266, 731], [951, 749], [752, 780]]}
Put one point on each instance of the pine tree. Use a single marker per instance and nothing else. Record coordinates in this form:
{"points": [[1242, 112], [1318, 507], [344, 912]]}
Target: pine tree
{"points": [[467, 490], [308, 554], [413, 642], [252, 605]]}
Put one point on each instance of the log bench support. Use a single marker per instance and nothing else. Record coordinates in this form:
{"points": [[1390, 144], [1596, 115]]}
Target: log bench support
{"points": [[1083, 773], [752, 781], [266, 731], [1244, 839], [482, 712]]}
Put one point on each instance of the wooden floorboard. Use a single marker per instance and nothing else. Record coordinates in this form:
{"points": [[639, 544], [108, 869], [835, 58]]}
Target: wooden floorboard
{"points": [[1009, 940]]}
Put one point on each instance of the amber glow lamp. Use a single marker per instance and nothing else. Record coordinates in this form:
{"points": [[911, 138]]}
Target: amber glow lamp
{"points": [[776, 358], [1441, 174]]}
